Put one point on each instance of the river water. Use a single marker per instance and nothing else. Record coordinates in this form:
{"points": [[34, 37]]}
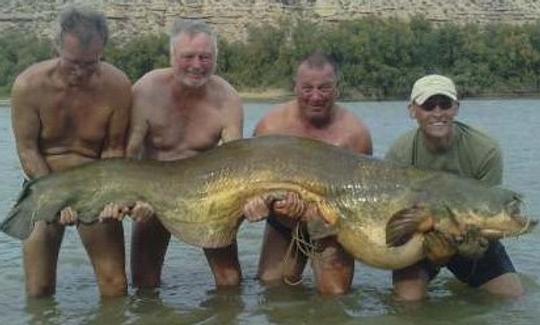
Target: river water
{"points": [[188, 296]]}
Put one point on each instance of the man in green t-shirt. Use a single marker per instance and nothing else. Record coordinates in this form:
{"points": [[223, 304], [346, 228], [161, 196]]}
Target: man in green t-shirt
{"points": [[440, 143]]}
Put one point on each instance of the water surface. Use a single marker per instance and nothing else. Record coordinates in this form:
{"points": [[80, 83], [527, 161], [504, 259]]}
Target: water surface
{"points": [[188, 295]]}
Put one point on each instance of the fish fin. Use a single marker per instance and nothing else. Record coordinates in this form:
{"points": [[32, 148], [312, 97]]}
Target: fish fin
{"points": [[472, 245], [32, 206], [318, 229], [322, 219], [328, 214], [16, 226], [405, 223], [438, 248], [19, 221], [362, 248], [213, 234]]}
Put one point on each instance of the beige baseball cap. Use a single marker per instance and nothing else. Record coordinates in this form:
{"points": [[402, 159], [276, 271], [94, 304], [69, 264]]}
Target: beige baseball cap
{"points": [[431, 85]]}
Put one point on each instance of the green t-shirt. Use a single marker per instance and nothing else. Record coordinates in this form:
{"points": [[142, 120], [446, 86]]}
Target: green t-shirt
{"points": [[472, 154]]}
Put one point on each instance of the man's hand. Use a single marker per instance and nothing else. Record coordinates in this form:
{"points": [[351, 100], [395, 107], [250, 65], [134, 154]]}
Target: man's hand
{"points": [[438, 248], [289, 206], [256, 209], [472, 245], [68, 217], [141, 212], [311, 213], [113, 211]]}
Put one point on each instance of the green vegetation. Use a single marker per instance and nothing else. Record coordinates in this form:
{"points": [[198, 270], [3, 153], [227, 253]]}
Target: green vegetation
{"points": [[139, 55], [379, 58], [18, 51]]}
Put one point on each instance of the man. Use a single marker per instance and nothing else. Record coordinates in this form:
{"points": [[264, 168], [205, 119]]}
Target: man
{"points": [[313, 114], [441, 143], [68, 111], [179, 112]]}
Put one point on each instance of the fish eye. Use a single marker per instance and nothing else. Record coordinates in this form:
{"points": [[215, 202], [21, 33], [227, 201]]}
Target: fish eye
{"points": [[513, 208]]}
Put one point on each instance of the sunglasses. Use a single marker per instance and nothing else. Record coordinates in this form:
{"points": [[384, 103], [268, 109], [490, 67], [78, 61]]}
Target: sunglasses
{"points": [[443, 102]]}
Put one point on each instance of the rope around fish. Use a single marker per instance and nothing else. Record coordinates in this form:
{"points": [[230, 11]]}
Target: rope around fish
{"points": [[299, 244]]}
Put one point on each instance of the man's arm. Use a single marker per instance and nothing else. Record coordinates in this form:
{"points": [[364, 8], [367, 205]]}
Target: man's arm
{"points": [[272, 121], [491, 169], [358, 138], [261, 128], [118, 124], [138, 130], [362, 141], [139, 125], [233, 119], [26, 128], [401, 151]]}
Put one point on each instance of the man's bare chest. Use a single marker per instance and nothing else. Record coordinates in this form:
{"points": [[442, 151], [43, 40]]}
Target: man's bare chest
{"points": [[331, 135], [78, 115], [197, 127]]}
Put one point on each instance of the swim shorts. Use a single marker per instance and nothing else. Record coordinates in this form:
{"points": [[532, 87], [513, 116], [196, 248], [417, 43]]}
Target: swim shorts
{"points": [[494, 263]]}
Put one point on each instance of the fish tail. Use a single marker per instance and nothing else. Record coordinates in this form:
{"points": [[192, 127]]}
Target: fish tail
{"points": [[18, 222], [33, 204]]}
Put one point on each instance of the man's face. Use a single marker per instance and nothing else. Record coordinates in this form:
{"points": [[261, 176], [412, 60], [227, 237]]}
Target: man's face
{"points": [[316, 91], [79, 63], [193, 59], [435, 116]]}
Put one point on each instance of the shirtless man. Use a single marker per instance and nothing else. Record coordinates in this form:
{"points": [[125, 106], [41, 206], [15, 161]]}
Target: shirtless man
{"points": [[313, 114], [68, 111], [179, 112]]}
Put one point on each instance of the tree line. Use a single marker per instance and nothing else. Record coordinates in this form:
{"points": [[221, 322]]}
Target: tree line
{"points": [[378, 58]]}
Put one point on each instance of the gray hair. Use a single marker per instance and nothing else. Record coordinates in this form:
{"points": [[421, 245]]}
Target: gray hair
{"points": [[84, 23], [318, 60], [192, 27]]}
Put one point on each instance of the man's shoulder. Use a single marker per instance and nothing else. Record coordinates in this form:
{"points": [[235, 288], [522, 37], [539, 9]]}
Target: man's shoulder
{"points": [[280, 111], [474, 136], [154, 81], [348, 119], [34, 76], [222, 88], [153, 76], [113, 76], [218, 81], [475, 143], [406, 138], [401, 148], [276, 118]]}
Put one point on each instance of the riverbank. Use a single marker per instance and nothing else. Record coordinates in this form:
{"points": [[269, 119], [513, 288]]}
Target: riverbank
{"points": [[266, 95], [281, 95], [276, 95]]}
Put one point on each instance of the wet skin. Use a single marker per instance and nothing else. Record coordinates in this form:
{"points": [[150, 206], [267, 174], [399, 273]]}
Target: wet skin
{"points": [[315, 115], [69, 111], [179, 112]]}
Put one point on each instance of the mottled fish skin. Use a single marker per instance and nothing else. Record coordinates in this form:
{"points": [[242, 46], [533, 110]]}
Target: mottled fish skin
{"points": [[379, 212]]}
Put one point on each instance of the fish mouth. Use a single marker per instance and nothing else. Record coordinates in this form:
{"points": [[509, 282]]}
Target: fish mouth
{"points": [[494, 233], [521, 225]]}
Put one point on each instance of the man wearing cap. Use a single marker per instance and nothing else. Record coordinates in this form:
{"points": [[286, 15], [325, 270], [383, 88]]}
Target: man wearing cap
{"points": [[440, 143]]}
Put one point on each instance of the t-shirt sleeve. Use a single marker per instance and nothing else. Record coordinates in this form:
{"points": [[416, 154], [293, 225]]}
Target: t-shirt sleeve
{"points": [[400, 152], [491, 169], [393, 154]]}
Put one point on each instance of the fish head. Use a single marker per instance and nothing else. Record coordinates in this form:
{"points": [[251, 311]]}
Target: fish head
{"points": [[494, 213]]}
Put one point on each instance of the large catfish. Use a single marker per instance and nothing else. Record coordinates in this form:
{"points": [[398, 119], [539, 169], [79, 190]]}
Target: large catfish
{"points": [[384, 215]]}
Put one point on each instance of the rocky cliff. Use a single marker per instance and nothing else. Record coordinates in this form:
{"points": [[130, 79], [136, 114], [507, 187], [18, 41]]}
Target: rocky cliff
{"points": [[230, 17]]}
